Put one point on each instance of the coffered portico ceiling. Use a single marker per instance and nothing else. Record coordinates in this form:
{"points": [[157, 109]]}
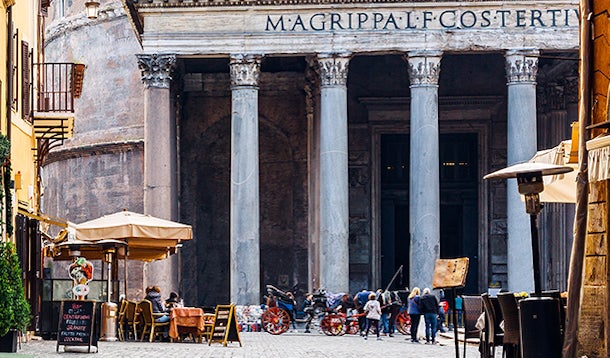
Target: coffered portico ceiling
{"points": [[219, 28]]}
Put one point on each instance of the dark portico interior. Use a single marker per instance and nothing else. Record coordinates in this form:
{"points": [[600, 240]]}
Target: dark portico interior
{"points": [[472, 115]]}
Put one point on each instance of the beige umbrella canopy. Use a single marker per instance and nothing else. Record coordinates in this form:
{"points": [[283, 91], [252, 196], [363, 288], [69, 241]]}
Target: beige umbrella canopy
{"points": [[148, 238]]}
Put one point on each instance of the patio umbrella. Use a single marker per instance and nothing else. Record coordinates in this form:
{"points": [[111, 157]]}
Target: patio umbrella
{"points": [[560, 188], [148, 238]]}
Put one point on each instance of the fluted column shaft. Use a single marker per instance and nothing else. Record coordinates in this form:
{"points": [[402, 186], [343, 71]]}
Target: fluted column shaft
{"points": [[334, 210], [160, 158], [424, 187], [245, 213], [521, 71]]}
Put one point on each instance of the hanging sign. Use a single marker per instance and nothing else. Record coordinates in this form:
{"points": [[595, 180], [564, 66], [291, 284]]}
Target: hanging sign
{"points": [[81, 272], [225, 326]]}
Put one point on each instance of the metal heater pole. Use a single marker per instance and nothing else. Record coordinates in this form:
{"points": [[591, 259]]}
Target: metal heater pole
{"points": [[535, 254]]}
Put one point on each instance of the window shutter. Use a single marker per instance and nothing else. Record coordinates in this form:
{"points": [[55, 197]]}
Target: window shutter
{"points": [[25, 80]]}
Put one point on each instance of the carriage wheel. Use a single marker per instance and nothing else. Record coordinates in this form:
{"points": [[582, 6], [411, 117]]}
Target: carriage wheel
{"points": [[403, 323], [352, 326], [333, 325], [275, 320]]}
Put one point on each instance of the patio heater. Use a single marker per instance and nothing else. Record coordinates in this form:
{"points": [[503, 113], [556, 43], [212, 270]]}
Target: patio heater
{"points": [[539, 316]]}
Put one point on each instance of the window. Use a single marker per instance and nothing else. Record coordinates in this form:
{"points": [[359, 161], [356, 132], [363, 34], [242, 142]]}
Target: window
{"points": [[25, 80]]}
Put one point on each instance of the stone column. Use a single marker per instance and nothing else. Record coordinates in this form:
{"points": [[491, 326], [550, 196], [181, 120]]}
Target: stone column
{"points": [[160, 158], [334, 210], [521, 70], [245, 223], [424, 187]]}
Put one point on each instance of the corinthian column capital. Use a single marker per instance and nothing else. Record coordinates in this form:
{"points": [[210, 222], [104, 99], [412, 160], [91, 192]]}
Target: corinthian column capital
{"points": [[156, 69], [424, 68], [245, 70], [333, 69], [521, 66]]}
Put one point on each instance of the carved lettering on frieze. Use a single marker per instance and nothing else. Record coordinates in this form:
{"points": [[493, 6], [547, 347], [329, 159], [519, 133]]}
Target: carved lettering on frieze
{"points": [[424, 70], [333, 70], [245, 70], [156, 69], [521, 67]]}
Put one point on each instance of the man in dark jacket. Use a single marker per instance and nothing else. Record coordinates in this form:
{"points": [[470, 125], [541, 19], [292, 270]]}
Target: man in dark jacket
{"points": [[429, 308]]}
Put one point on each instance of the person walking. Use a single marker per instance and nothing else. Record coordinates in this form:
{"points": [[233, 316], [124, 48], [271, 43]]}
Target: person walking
{"points": [[360, 299], [384, 301], [414, 313], [395, 306], [373, 314], [429, 307]]}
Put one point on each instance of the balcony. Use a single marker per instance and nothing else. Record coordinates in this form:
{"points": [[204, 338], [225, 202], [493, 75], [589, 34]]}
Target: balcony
{"points": [[56, 87]]}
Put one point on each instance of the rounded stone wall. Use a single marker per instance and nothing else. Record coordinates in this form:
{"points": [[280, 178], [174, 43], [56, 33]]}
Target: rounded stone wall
{"points": [[100, 170]]}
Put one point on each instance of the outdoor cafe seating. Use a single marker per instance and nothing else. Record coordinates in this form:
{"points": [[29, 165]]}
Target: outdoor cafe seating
{"points": [[187, 321], [502, 322], [149, 321]]}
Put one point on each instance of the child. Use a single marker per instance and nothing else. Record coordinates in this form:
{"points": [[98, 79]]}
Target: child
{"points": [[373, 314]]}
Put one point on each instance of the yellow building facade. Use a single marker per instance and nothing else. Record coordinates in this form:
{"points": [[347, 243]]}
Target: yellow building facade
{"points": [[36, 112]]}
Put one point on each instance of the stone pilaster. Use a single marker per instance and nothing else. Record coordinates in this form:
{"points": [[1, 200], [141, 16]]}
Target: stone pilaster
{"points": [[334, 184], [424, 186], [521, 72], [160, 158], [245, 212]]}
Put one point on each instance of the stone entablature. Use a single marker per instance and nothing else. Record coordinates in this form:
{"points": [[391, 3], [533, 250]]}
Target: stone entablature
{"points": [[357, 27]]}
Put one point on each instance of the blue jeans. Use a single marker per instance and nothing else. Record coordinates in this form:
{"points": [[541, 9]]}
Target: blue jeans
{"points": [[430, 319], [162, 319], [385, 323]]}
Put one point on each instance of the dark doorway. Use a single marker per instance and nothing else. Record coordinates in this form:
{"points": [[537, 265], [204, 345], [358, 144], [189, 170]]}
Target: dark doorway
{"points": [[459, 201], [459, 204], [394, 209]]}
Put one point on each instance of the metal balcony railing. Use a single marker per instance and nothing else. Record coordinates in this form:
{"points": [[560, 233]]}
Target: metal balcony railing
{"points": [[56, 86]]}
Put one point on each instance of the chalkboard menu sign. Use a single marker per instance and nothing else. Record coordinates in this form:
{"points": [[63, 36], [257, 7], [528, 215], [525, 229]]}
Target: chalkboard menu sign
{"points": [[225, 326], [76, 324]]}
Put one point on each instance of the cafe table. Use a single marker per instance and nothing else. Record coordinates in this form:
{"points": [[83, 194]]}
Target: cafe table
{"points": [[183, 320]]}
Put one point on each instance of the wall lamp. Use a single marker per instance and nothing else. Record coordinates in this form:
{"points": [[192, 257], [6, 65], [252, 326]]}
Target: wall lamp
{"points": [[92, 9]]}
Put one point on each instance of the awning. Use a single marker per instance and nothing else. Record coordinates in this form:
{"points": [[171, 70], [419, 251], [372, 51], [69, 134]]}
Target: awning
{"points": [[558, 188], [599, 158], [42, 217]]}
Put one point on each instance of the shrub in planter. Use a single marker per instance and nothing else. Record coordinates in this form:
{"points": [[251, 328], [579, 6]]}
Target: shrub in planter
{"points": [[14, 308]]}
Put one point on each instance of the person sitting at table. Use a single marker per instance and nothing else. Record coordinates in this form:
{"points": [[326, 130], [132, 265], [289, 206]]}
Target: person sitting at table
{"points": [[153, 294], [173, 301]]}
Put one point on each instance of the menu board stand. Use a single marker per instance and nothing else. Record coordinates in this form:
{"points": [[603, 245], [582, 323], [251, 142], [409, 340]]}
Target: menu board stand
{"points": [[451, 273], [77, 324], [225, 326]]}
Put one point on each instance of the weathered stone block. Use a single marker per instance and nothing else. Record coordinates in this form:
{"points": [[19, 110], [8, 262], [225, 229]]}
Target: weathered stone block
{"points": [[598, 191], [596, 245], [595, 270], [597, 218]]}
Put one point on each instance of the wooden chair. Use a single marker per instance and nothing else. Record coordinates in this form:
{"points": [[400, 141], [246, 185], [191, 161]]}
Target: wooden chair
{"points": [[131, 319], [121, 319], [512, 329], [472, 308], [209, 325], [149, 320], [492, 332]]}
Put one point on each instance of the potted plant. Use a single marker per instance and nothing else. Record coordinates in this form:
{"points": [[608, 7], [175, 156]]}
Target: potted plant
{"points": [[14, 308]]}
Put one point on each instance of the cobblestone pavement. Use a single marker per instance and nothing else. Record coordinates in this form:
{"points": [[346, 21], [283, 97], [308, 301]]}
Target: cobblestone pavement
{"points": [[260, 344]]}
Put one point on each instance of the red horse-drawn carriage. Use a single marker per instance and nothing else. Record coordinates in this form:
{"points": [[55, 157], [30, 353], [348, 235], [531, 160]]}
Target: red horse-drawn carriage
{"points": [[335, 321]]}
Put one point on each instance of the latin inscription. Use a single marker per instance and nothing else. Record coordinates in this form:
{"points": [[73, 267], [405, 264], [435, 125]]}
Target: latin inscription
{"points": [[423, 20]]}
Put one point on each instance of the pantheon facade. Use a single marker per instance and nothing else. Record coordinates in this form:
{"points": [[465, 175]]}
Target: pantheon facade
{"points": [[320, 143]]}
